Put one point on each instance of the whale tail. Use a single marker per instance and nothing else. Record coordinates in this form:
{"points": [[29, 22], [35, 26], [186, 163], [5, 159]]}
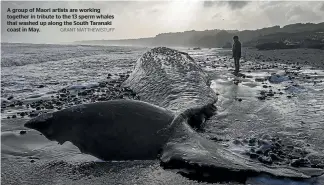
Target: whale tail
{"points": [[200, 159]]}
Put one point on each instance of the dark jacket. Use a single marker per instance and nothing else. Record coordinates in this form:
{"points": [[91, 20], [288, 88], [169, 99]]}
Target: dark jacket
{"points": [[236, 49]]}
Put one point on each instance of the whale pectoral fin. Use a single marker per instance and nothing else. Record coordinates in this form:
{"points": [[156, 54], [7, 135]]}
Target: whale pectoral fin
{"points": [[199, 158]]}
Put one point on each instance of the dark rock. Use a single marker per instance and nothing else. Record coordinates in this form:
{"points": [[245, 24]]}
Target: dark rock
{"points": [[41, 86], [265, 160], [253, 155], [261, 97], [83, 93], [19, 103], [10, 98], [133, 93], [259, 151], [62, 95], [14, 116], [237, 142], [245, 141], [50, 106], [23, 132], [63, 90], [103, 98], [274, 156], [58, 103], [259, 79], [277, 145], [290, 147], [252, 141], [301, 162], [263, 92], [102, 84], [33, 114], [216, 139]]}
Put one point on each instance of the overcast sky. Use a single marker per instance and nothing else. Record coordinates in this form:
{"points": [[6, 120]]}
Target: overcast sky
{"points": [[136, 19]]}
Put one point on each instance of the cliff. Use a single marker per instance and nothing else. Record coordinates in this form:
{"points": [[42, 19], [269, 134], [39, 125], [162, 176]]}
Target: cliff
{"points": [[219, 38]]}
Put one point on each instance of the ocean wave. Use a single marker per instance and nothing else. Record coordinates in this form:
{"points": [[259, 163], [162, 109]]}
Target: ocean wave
{"points": [[24, 54]]}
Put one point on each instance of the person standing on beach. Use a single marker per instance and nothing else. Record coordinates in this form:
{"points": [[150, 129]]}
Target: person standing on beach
{"points": [[236, 54]]}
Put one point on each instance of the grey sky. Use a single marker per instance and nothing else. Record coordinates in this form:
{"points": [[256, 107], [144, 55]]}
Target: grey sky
{"points": [[322, 7], [137, 19]]}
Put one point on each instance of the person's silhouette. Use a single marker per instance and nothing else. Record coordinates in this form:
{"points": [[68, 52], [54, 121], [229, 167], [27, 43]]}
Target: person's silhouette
{"points": [[236, 54]]}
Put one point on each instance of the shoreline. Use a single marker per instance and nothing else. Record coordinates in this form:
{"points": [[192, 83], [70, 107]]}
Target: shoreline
{"points": [[297, 57], [300, 56]]}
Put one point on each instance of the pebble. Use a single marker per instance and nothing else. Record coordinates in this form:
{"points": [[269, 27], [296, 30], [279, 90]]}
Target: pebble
{"points": [[261, 97], [237, 142], [254, 155], [23, 132], [259, 79], [252, 141], [33, 114], [106, 90], [265, 160], [274, 156], [301, 162]]}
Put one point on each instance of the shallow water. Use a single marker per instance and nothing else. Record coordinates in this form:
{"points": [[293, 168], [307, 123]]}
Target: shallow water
{"points": [[297, 119]]}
